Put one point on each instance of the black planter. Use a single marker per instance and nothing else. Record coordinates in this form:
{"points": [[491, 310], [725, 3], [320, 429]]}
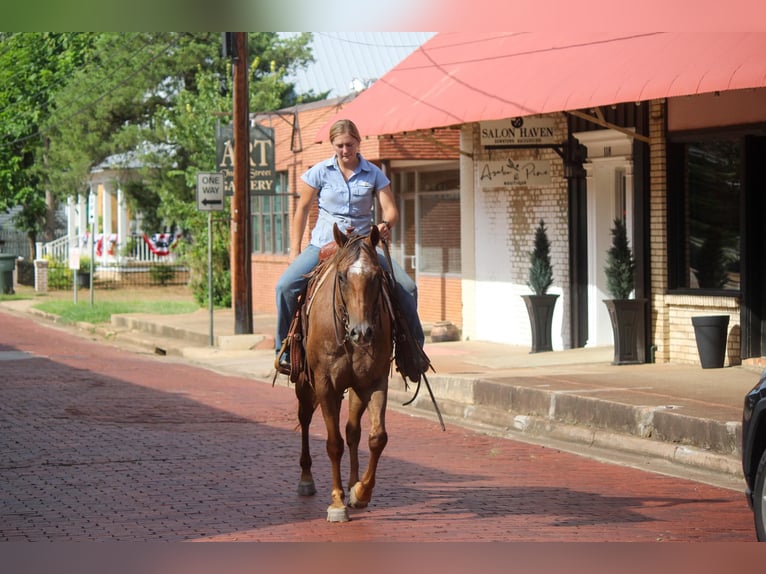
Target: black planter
{"points": [[627, 317], [711, 331], [540, 309]]}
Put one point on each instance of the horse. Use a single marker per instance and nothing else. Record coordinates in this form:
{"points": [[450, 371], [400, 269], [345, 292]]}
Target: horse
{"points": [[348, 343]]}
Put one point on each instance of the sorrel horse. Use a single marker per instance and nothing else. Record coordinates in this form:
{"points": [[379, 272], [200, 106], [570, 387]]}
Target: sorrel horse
{"points": [[349, 346]]}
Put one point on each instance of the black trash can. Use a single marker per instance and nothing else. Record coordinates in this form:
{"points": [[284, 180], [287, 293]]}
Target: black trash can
{"points": [[7, 265], [711, 332]]}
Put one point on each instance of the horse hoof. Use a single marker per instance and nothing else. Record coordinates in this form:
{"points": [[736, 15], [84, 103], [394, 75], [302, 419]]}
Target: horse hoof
{"points": [[353, 501], [306, 488], [335, 514]]}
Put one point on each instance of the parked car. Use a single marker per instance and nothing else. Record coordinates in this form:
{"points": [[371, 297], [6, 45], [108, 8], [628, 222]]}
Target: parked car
{"points": [[754, 453]]}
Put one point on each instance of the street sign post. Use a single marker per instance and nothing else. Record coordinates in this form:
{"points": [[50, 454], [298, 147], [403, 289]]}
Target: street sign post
{"points": [[210, 198], [210, 192]]}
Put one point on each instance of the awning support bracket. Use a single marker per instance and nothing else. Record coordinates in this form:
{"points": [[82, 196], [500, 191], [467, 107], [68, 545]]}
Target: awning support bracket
{"points": [[599, 120]]}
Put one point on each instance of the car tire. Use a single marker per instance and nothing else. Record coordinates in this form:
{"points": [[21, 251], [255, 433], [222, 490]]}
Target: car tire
{"points": [[759, 500]]}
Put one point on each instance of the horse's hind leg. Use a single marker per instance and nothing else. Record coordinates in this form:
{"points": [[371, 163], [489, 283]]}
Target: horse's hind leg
{"points": [[306, 407], [360, 494]]}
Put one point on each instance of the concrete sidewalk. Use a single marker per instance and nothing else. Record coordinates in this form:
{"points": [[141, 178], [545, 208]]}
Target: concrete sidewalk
{"points": [[673, 414]]}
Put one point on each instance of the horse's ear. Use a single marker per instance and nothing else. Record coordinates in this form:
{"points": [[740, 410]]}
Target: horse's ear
{"points": [[340, 237], [374, 235]]}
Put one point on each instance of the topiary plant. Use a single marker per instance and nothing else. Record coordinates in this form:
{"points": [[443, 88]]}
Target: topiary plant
{"points": [[620, 266], [540, 269]]}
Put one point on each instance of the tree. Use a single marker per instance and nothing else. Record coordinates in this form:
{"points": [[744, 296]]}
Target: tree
{"points": [[69, 101], [620, 266], [34, 67], [540, 269]]}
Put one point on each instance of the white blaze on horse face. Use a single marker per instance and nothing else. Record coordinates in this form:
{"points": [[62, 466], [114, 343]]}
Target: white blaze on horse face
{"points": [[358, 267]]}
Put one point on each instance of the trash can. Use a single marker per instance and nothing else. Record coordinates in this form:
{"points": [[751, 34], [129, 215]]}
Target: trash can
{"points": [[7, 265], [711, 332]]}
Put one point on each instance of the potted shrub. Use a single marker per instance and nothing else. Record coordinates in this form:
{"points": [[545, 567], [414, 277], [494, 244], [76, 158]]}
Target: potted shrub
{"points": [[540, 305], [625, 314]]}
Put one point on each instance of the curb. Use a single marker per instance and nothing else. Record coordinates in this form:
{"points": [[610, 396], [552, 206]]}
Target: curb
{"points": [[507, 410]]}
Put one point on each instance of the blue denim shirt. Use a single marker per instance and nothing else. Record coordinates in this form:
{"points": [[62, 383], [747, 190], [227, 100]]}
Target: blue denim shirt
{"points": [[347, 204]]}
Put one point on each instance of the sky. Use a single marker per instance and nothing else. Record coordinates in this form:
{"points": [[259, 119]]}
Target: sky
{"points": [[347, 58]]}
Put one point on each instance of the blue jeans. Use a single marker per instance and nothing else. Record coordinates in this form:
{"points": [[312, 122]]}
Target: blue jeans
{"points": [[293, 281]]}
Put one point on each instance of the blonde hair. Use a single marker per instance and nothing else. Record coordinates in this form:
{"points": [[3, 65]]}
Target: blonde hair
{"points": [[345, 127]]}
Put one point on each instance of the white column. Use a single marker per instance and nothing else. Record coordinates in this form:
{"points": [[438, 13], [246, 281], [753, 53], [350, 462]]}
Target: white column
{"points": [[122, 223], [71, 221], [82, 222], [467, 233], [106, 220]]}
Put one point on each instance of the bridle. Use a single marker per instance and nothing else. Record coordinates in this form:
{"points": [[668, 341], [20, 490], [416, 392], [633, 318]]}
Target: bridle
{"points": [[343, 332]]}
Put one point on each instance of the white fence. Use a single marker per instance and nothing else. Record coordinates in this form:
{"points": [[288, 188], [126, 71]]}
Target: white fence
{"points": [[108, 250]]}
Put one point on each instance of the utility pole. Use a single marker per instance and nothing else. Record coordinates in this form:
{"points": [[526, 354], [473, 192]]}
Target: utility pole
{"points": [[241, 241]]}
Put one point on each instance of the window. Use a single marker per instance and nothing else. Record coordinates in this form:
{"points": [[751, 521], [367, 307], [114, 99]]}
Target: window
{"points": [[705, 178], [429, 208], [270, 214]]}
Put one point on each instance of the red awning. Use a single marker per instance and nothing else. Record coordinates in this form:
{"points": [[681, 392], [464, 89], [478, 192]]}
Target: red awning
{"points": [[456, 78]]}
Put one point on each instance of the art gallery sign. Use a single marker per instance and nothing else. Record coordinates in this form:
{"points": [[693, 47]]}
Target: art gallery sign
{"points": [[519, 132], [261, 152]]}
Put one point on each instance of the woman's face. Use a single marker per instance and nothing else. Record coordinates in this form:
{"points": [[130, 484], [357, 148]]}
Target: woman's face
{"points": [[345, 146]]}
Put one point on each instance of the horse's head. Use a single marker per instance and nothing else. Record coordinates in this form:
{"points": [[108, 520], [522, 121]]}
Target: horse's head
{"points": [[359, 277]]}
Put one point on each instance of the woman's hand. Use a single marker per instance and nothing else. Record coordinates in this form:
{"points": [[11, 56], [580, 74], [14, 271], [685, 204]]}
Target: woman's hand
{"points": [[385, 230]]}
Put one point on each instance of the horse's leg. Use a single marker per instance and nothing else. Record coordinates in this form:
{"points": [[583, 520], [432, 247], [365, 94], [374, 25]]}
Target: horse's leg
{"points": [[306, 407], [330, 403], [359, 496], [356, 407]]}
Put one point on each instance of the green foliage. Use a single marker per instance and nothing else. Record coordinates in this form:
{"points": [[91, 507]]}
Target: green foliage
{"points": [[84, 264], [59, 274], [161, 274], [34, 67], [152, 98], [540, 268], [620, 266], [102, 311]]}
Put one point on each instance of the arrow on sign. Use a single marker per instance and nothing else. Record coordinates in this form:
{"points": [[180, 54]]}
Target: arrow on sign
{"points": [[211, 202]]}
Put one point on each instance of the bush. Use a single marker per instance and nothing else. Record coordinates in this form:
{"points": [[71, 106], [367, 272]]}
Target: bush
{"points": [[620, 266], [161, 274], [540, 269], [59, 274]]}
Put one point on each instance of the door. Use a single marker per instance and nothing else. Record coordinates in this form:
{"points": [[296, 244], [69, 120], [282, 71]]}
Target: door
{"points": [[609, 195]]}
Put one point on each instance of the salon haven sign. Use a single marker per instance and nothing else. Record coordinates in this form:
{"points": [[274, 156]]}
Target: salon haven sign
{"points": [[519, 132]]}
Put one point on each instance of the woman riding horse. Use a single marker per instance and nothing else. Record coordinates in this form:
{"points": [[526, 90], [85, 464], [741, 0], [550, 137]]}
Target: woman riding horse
{"points": [[345, 187]]}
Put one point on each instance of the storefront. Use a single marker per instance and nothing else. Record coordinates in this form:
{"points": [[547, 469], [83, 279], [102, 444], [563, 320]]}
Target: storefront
{"points": [[664, 132]]}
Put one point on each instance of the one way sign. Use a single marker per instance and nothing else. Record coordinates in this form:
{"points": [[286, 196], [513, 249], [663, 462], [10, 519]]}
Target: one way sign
{"points": [[210, 191]]}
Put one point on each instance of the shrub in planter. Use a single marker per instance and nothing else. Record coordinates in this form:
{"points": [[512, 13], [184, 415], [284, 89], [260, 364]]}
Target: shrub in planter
{"points": [[540, 305], [625, 314]]}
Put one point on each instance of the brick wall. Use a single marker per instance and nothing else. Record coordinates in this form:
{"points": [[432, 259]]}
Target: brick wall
{"points": [[658, 229], [440, 299], [506, 220]]}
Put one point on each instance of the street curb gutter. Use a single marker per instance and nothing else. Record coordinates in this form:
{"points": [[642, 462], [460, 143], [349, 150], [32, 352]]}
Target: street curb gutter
{"points": [[582, 420]]}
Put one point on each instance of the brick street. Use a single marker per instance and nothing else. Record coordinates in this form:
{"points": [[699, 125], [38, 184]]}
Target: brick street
{"points": [[103, 444]]}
